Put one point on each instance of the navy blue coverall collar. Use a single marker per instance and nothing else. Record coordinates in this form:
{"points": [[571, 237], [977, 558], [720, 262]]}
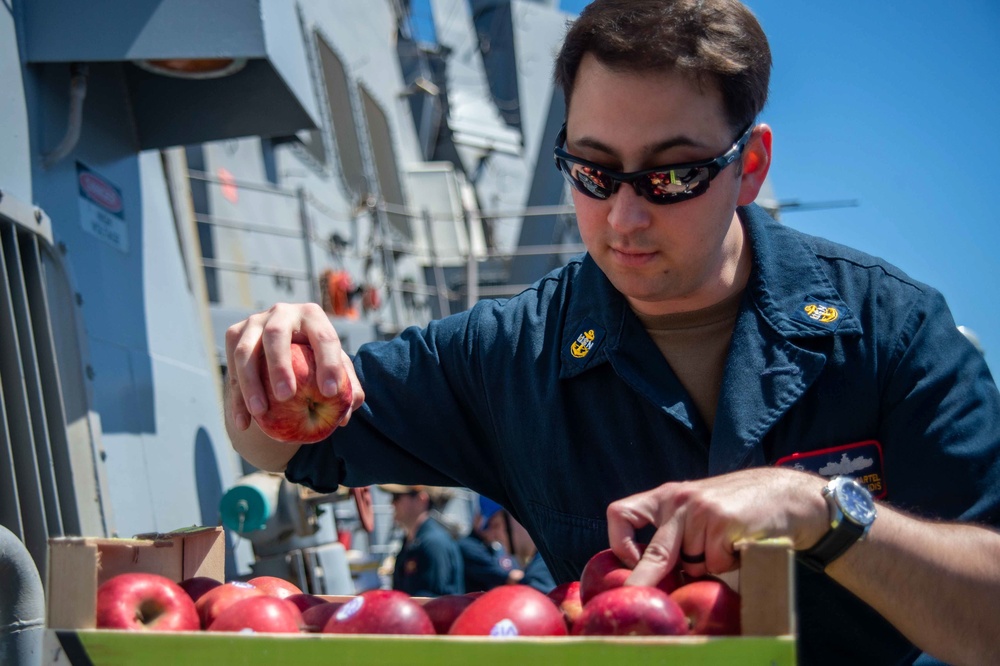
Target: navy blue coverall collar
{"points": [[788, 299]]}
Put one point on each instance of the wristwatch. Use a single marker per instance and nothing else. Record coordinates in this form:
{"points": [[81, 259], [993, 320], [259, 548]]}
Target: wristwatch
{"points": [[852, 512]]}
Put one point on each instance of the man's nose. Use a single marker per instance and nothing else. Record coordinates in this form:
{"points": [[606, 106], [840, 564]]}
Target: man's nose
{"points": [[629, 211]]}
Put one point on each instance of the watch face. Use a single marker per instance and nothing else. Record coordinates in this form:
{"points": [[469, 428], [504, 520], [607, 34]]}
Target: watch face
{"points": [[856, 503]]}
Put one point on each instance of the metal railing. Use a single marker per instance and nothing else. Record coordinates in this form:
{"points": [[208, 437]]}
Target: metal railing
{"points": [[384, 245]]}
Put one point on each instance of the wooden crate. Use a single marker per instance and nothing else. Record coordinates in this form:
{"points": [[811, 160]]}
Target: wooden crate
{"points": [[78, 566]]}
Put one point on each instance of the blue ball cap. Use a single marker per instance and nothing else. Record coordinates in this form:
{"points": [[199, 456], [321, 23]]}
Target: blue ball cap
{"points": [[487, 508]]}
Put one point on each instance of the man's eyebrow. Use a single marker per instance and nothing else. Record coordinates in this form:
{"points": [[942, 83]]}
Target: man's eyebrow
{"points": [[667, 144]]}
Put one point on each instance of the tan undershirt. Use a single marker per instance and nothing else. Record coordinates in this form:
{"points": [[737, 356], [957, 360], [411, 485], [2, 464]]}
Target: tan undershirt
{"points": [[695, 345]]}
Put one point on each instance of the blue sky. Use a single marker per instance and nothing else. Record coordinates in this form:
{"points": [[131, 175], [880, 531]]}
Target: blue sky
{"points": [[896, 106]]}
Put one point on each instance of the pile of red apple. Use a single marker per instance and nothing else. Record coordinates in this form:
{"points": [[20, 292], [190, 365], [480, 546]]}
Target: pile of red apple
{"points": [[601, 605], [597, 605]]}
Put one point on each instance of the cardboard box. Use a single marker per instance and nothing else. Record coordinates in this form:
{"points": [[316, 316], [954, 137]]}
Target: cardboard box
{"points": [[78, 566]]}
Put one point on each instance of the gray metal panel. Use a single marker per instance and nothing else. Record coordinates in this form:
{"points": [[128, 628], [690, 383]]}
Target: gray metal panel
{"points": [[286, 46], [15, 167], [10, 505], [28, 217], [71, 435], [254, 101], [273, 95], [547, 188], [345, 127], [108, 278], [189, 457], [390, 186], [18, 411], [495, 28], [114, 31], [22, 259], [328, 569], [63, 453], [106, 30], [538, 34]]}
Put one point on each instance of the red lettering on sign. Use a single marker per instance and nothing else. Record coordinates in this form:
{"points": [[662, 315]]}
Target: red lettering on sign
{"points": [[101, 192]]}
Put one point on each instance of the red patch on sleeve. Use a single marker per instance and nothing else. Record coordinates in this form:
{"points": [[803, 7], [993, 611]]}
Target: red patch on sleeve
{"points": [[861, 461]]}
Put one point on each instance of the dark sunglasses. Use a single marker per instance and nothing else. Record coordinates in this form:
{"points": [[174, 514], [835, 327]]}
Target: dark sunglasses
{"points": [[671, 183]]}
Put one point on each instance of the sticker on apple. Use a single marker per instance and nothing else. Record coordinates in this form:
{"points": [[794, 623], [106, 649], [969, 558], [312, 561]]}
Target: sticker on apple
{"points": [[350, 608], [504, 629]]}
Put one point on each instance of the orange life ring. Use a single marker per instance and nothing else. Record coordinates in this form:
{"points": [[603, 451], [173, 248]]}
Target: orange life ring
{"points": [[340, 288]]}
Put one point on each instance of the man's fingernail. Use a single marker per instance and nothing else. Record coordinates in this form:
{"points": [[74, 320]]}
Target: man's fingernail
{"points": [[242, 422], [283, 391], [256, 405], [329, 388]]}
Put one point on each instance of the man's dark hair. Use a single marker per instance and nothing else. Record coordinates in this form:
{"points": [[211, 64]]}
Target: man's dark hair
{"points": [[716, 42]]}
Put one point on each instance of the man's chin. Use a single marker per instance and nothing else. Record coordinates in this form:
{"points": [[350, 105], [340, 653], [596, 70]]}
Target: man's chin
{"points": [[660, 302], [639, 287]]}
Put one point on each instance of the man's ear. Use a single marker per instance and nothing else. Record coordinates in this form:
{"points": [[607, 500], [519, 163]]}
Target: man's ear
{"points": [[756, 162]]}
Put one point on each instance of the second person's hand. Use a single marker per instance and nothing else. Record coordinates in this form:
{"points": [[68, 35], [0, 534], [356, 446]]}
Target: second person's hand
{"points": [[699, 522]]}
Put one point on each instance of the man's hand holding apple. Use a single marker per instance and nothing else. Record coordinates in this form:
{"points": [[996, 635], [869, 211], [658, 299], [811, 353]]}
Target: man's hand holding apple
{"points": [[295, 395], [699, 522]]}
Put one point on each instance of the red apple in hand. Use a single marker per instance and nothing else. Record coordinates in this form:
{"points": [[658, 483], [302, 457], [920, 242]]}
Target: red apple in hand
{"points": [[212, 603], [711, 606], [274, 586], [145, 602], [605, 571], [444, 609], [510, 610], [262, 614], [380, 612], [308, 416], [635, 610], [567, 597]]}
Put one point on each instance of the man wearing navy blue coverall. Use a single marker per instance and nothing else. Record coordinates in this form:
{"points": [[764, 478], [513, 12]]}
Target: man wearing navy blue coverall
{"points": [[587, 407], [429, 563]]}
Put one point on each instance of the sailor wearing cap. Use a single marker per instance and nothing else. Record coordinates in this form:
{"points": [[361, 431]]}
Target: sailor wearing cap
{"points": [[500, 526], [486, 553]]}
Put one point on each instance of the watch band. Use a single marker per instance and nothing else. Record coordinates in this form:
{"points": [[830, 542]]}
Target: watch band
{"points": [[832, 545], [845, 530]]}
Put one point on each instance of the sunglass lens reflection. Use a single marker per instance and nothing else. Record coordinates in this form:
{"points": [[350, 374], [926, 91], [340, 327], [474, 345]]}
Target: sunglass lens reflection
{"points": [[658, 187], [590, 180], [669, 184]]}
